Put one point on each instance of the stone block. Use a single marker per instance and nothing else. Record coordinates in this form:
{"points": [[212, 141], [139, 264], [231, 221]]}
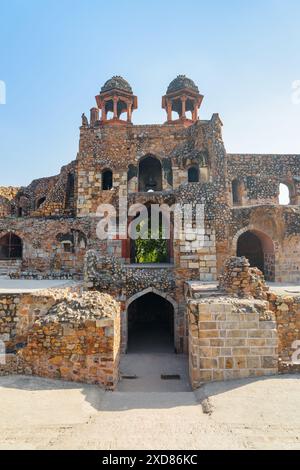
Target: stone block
{"points": [[240, 351], [208, 363]]}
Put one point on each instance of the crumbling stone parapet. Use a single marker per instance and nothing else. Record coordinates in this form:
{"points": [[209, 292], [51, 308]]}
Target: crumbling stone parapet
{"points": [[239, 279]]}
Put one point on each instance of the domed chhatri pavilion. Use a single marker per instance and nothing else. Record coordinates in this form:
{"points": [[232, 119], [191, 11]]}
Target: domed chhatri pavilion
{"points": [[182, 97], [48, 229], [115, 97]]}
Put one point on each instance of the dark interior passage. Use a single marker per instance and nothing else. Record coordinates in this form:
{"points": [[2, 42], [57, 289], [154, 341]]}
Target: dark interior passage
{"points": [[250, 246], [150, 325], [10, 247], [107, 180], [150, 174]]}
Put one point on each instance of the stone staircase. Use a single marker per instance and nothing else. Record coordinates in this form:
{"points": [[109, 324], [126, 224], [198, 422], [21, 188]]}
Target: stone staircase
{"points": [[202, 290], [9, 266]]}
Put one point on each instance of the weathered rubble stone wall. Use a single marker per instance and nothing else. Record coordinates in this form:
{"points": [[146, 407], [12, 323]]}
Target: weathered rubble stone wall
{"points": [[287, 267], [8, 319], [230, 339], [121, 148], [19, 312], [9, 192], [17, 315], [43, 244], [287, 311], [53, 191], [60, 197], [117, 148], [61, 334], [241, 280], [7, 195], [262, 174], [278, 228]]}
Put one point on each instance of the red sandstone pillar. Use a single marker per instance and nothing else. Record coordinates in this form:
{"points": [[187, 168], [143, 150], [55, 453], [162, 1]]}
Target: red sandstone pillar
{"points": [[94, 115], [169, 110], [129, 112], [103, 112], [183, 100], [115, 107], [195, 112]]}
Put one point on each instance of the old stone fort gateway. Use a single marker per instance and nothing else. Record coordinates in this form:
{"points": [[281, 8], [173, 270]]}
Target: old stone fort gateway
{"points": [[211, 301]]}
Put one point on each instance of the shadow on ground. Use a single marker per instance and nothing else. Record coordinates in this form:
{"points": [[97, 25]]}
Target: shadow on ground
{"points": [[148, 392]]}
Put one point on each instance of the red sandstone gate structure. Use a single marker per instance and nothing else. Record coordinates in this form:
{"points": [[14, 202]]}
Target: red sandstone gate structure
{"points": [[49, 228]]}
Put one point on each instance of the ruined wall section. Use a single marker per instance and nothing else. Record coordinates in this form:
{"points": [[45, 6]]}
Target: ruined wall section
{"points": [[7, 196], [61, 196], [281, 225], [287, 312], [261, 175], [43, 197], [44, 251], [61, 334]]}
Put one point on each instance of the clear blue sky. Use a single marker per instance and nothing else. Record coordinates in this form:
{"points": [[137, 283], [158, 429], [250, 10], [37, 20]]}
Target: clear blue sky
{"points": [[56, 54]]}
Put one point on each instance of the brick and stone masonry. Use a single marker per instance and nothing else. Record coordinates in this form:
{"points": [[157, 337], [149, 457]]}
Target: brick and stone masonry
{"points": [[63, 335], [48, 228]]}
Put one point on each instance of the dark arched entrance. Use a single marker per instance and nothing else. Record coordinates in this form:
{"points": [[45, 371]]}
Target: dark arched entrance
{"points": [[150, 174], [150, 324], [193, 174], [10, 247], [259, 249]]}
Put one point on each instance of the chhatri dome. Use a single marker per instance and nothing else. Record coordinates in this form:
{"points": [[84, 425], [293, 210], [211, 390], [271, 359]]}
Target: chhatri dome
{"points": [[182, 82], [116, 82]]}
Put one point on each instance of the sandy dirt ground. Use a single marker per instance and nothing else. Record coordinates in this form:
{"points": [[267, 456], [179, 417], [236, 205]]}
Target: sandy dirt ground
{"points": [[39, 413]]}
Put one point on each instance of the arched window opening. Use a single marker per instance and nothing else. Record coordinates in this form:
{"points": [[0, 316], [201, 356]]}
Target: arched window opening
{"points": [[193, 174], [151, 324], [107, 180], [121, 108], [150, 174], [258, 248], [284, 195], [11, 247], [40, 202]]}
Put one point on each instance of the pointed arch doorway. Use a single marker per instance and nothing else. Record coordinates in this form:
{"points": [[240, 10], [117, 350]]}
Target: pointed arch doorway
{"points": [[150, 320]]}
